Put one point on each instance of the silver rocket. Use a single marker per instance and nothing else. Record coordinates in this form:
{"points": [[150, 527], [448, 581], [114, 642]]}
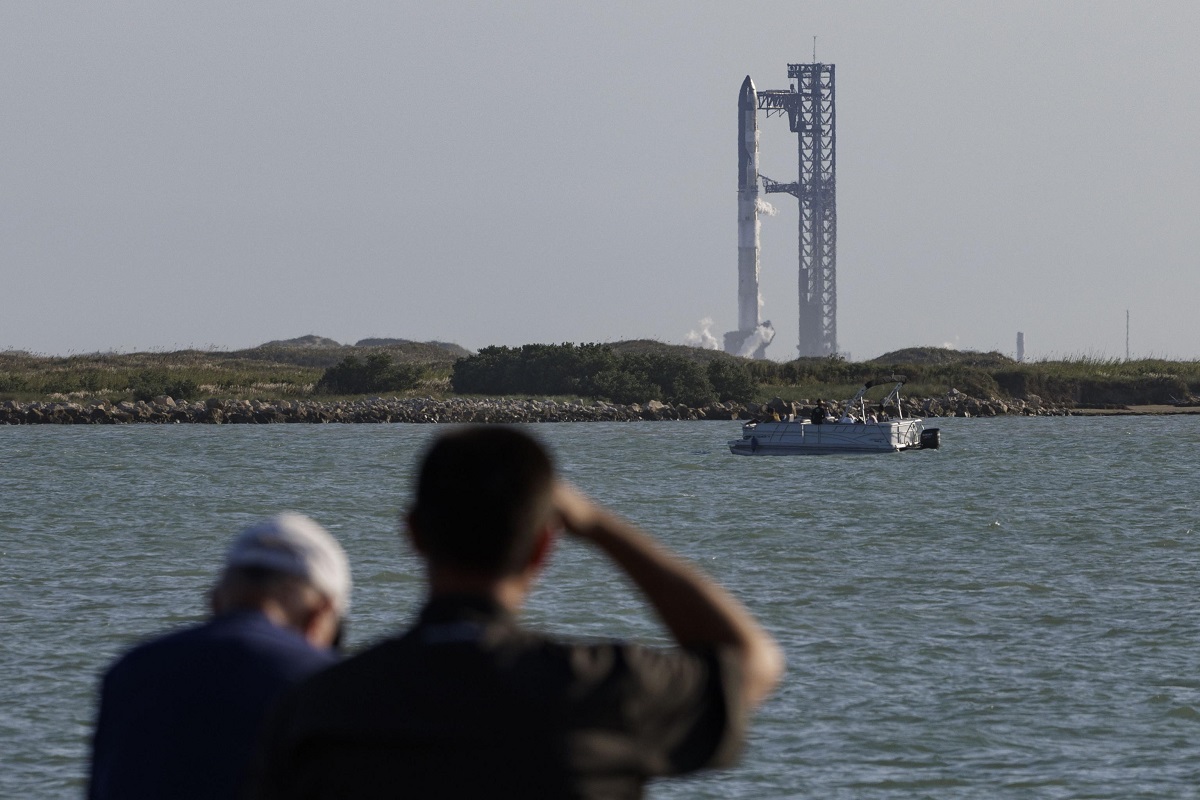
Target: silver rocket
{"points": [[753, 335], [748, 243]]}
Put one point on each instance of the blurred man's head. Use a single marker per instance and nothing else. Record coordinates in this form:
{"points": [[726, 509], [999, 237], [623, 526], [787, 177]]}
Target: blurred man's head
{"points": [[483, 498], [290, 568]]}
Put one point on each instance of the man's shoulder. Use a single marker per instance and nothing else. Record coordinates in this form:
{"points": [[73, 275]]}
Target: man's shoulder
{"points": [[605, 656], [512, 648], [508, 664], [231, 639], [427, 661], [160, 647], [379, 655]]}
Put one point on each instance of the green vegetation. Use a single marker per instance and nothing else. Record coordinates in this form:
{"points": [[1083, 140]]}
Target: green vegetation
{"points": [[143, 376], [277, 371], [371, 375], [621, 372], [151, 383], [635, 375]]}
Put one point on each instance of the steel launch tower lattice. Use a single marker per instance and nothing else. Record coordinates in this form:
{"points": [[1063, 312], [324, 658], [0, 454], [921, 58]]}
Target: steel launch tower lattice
{"points": [[809, 105]]}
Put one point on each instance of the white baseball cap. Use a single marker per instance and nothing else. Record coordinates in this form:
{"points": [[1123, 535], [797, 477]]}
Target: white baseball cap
{"points": [[296, 545]]}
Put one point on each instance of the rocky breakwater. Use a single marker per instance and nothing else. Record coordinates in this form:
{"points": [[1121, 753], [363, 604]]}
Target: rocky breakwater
{"points": [[956, 404], [953, 404], [166, 411]]}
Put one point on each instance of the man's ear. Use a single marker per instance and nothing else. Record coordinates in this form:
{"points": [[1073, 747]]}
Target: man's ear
{"points": [[542, 545], [320, 623]]}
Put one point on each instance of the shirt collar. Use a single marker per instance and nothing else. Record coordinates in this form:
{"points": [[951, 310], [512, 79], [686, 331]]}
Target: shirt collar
{"points": [[463, 608]]}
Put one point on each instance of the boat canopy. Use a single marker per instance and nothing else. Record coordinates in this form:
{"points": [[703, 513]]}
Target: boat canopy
{"points": [[857, 403]]}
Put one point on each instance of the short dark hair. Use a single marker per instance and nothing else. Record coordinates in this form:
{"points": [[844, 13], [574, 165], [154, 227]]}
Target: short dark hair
{"points": [[481, 494]]}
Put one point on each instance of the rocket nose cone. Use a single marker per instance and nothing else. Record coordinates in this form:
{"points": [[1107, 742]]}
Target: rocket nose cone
{"points": [[746, 95]]}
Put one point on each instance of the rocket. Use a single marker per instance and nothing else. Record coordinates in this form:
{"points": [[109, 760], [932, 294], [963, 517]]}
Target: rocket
{"points": [[748, 242], [752, 336]]}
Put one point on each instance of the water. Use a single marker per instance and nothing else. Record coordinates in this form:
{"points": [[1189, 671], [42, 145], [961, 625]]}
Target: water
{"points": [[1016, 615]]}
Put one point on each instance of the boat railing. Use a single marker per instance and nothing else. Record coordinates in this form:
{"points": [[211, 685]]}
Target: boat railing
{"points": [[894, 396]]}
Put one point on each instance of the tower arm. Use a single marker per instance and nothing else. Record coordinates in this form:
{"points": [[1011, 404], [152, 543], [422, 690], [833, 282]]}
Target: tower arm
{"points": [[775, 99], [775, 187], [780, 101]]}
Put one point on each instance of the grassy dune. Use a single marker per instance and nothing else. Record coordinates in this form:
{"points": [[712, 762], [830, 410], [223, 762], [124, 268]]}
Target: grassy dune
{"points": [[270, 372], [287, 370]]}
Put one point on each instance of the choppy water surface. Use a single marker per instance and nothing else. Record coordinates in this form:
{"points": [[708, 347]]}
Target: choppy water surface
{"points": [[1015, 615]]}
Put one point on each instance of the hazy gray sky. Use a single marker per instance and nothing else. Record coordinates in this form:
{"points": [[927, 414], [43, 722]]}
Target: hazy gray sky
{"points": [[225, 173]]}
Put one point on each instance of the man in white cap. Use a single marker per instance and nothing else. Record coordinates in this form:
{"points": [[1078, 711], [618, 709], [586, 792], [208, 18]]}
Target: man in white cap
{"points": [[179, 714]]}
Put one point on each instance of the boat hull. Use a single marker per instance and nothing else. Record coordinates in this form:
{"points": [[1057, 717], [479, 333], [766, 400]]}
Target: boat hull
{"points": [[806, 438]]}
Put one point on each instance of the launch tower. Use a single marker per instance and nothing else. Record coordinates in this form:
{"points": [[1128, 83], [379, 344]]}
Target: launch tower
{"points": [[809, 105]]}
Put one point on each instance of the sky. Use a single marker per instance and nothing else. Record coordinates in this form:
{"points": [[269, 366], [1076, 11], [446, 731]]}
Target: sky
{"points": [[222, 174]]}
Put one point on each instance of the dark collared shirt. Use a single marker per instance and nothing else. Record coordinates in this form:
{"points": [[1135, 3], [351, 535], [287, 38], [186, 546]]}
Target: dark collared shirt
{"points": [[468, 704]]}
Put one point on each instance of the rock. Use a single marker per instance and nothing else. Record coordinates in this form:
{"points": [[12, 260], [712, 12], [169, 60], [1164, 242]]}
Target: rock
{"points": [[380, 410], [780, 407]]}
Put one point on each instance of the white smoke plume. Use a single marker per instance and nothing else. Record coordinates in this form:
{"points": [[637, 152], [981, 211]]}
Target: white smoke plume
{"points": [[762, 335], [763, 207], [704, 339]]}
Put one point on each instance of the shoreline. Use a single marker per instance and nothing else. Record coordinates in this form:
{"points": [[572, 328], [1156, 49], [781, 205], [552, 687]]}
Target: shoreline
{"points": [[378, 410], [1136, 411]]}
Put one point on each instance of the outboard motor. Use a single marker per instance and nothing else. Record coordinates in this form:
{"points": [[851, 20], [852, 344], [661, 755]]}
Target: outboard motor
{"points": [[931, 439]]}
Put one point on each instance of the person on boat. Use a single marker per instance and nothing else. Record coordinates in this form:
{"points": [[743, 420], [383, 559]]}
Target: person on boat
{"points": [[179, 715], [818, 413], [469, 703]]}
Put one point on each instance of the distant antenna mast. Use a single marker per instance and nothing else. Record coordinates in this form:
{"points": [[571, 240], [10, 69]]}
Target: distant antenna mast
{"points": [[1127, 334], [814, 49]]}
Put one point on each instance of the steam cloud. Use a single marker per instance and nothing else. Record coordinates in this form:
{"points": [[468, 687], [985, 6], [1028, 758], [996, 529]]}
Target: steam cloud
{"points": [[763, 207], [762, 335], [704, 339]]}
